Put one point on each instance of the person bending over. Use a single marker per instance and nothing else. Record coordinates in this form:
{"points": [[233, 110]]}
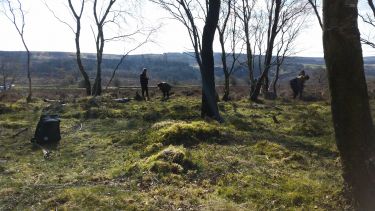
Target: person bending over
{"points": [[297, 84], [165, 88]]}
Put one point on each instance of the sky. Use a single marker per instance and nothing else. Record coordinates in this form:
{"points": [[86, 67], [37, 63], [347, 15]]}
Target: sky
{"points": [[43, 32]]}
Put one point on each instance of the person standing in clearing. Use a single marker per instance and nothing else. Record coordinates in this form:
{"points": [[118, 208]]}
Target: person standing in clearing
{"points": [[144, 84]]}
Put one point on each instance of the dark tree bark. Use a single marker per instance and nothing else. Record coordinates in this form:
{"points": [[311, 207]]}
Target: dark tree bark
{"points": [[209, 104], [29, 96], [268, 57], [100, 42], [225, 65], [97, 87], [182, 10], [315, 8], [223, 32], [244, 14], [352, 120], [77, 33], [80, 64], [274, 84]]}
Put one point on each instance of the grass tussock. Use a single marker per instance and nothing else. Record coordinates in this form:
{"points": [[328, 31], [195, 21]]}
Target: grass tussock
{"points": [[188, 133], [172, 159]]}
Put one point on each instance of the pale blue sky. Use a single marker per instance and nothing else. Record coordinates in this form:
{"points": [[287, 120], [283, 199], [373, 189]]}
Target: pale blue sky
{"points": [[44, 33]]}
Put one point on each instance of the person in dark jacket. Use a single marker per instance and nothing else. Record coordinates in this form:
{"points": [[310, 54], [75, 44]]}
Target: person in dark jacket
{"points": [[165, 88], [144, 83], [297, 84]]}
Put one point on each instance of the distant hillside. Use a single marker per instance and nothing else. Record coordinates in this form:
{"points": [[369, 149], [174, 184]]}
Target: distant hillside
{"points": [[60, 67]]}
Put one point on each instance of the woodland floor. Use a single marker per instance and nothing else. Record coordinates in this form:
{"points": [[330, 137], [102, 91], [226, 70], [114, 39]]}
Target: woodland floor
{"points": [[160, 155]]}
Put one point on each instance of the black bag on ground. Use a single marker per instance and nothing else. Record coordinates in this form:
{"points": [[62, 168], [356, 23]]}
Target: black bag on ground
{"points": [[48, 129]]}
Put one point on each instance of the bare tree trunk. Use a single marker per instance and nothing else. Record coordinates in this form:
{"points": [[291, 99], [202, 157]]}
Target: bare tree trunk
{"points": [[270, 44], [246, 16], [352, 120], [225, 65], [100, 21], [100, 41], [315, 8], [97, 87], [182, 11], [77, 33], [209, 104], [274, 84], [29, 96], [4, 78], [226, 87], [79, 62], [249, 55], [20, 26]]}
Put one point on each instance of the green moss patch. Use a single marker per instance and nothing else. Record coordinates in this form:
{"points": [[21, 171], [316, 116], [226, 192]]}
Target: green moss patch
{"points": [[190, 133], [271, 150], [170, 160], [154, 155]]}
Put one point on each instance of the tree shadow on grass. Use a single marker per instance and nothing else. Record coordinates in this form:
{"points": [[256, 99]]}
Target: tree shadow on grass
{"points": [[293, 143]]}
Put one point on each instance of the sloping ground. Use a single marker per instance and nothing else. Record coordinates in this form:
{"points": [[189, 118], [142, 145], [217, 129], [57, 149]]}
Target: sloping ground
{"points": [[161, 156]]}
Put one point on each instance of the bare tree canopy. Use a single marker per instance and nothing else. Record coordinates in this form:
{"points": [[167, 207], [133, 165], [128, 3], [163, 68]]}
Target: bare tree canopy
{"points": [[229, 39], [244, 11], [76, 12], [315, 6], [369, 19], [114, 21], [15, 13], [285, 46], [193, 14], [279, 15]]}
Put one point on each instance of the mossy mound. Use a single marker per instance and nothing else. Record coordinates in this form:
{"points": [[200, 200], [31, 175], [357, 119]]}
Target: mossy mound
{"points": [[123, 156], [170, 160], [189, 133], [313, 121], [309, 129], [5, 109], [103, 113], [163, 124], [10, 108], [272, 150]]}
